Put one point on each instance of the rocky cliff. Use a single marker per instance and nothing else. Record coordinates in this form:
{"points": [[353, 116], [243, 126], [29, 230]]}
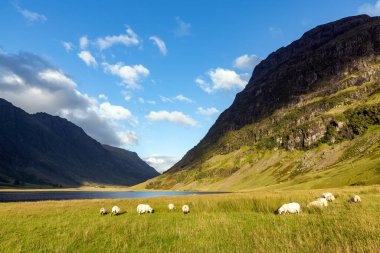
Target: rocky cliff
{"points": [[320, 89]]}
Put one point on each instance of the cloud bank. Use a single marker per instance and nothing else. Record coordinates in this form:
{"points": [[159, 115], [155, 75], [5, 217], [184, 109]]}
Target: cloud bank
{"points": [[34, 84]]}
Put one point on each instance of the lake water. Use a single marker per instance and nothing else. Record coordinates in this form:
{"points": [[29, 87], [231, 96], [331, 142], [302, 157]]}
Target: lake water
{"points": [[68, 195]]}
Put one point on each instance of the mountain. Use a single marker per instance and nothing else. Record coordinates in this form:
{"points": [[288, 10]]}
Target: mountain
{"points": [[308, 117], [40, 149]]}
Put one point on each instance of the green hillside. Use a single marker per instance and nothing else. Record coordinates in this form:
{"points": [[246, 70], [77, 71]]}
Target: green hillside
{"points": [[337, 159], [308, 118]]}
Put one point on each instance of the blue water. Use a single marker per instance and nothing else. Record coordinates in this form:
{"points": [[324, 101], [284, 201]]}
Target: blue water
{"points": [[68, 195]]}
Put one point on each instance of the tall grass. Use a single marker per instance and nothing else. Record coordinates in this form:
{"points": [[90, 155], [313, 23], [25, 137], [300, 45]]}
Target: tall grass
{"points": [[237, 222]]}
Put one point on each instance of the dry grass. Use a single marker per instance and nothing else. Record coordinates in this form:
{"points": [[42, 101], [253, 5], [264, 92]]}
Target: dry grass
{"points": [[237, 222]]}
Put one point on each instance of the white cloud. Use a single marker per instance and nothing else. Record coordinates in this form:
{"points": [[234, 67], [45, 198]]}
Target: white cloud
{"points": [[130, 75], [183, 28], [160, 44], [114, 112], [225, 79], [24, 76], [161, 162], [166, 99], [87, 58], [31, 16], [68, 46], [179, 97], [175, 117], [183, 99], [152, 102], [221, 79], [247, 61], [10, 79], [83, 42], [370, 9], [56, 78], [128, 39], [205, 86], [127, 97], [128, 138], [207, 112], [102, 97], [141, 100]]}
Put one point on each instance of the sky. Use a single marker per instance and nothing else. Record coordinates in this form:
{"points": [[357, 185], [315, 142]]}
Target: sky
{"points": [[148, 76]]}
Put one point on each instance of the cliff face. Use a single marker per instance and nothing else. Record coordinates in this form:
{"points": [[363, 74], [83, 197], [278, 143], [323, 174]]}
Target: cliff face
{"points": [[41, 149], [308, 118], [325, 60]]}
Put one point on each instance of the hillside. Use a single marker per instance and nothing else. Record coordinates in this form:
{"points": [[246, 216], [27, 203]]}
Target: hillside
{"points": [[308, 118], [40, 149]]}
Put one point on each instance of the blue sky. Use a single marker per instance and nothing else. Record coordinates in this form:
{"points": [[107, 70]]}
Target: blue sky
{"points": [[148, 76]]}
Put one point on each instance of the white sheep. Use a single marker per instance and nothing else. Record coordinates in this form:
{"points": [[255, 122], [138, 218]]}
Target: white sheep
{"points": [[144, 208], [115, 210], [328, 196], [355, 199], [289, 208], [319, 202], [103, 211], [171, 206], [185, 209]]}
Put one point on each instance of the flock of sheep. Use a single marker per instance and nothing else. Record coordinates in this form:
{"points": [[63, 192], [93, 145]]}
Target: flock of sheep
{"points": [[289, 208], [143, 208], [320, 202]]}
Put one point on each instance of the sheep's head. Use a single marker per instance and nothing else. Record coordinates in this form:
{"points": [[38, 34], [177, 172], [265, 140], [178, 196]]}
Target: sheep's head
{"points": [[281, 210]]}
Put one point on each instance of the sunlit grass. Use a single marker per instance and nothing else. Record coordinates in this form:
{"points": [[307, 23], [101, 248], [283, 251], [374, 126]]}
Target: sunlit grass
{"points": [[237, 222]]}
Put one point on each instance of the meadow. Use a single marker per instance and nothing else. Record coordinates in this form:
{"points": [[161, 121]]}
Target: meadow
{"points": [[233, 222]]}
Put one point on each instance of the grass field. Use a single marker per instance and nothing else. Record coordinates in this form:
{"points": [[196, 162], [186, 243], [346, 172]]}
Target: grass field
{"points": [[236, 222]]}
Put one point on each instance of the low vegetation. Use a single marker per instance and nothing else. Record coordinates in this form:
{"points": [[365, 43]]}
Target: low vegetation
{"points": [[236, 222], [350, 162], [323, 141]]}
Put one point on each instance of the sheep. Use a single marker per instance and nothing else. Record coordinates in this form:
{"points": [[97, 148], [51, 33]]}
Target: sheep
{"points": [[319, 202], [289, 208], [171, 206], [328, 196], [144, 208], [355, 199], [185, 209], [115, 210], [103, 211]]}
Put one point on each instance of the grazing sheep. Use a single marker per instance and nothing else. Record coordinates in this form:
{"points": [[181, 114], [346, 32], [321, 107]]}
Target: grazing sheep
{"points": [[185, 209], [289, 208], [328, 196], [355, 199], [144, 208], [103, 211], [171, 206], [319, 202], [115, 210]]}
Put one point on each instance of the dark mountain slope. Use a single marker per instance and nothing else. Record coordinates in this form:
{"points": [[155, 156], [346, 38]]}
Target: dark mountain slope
{"points": [[309, 117], [45, 149], [315, 62]]}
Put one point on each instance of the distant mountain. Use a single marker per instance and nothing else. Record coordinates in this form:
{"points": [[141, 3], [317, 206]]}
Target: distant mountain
{"points": [[309, 117], [40, 149]]}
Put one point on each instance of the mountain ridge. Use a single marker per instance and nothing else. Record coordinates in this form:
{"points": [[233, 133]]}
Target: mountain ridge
{"points": [[321, 89], [49, 150], [230, 120]]}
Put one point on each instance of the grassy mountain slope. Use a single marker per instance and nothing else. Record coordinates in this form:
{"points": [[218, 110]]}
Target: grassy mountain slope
{"points": [[308, 118], [354, 161]]}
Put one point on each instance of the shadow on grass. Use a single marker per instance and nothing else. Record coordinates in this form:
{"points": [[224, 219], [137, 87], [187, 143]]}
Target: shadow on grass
{"points": [[110, 214]]}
